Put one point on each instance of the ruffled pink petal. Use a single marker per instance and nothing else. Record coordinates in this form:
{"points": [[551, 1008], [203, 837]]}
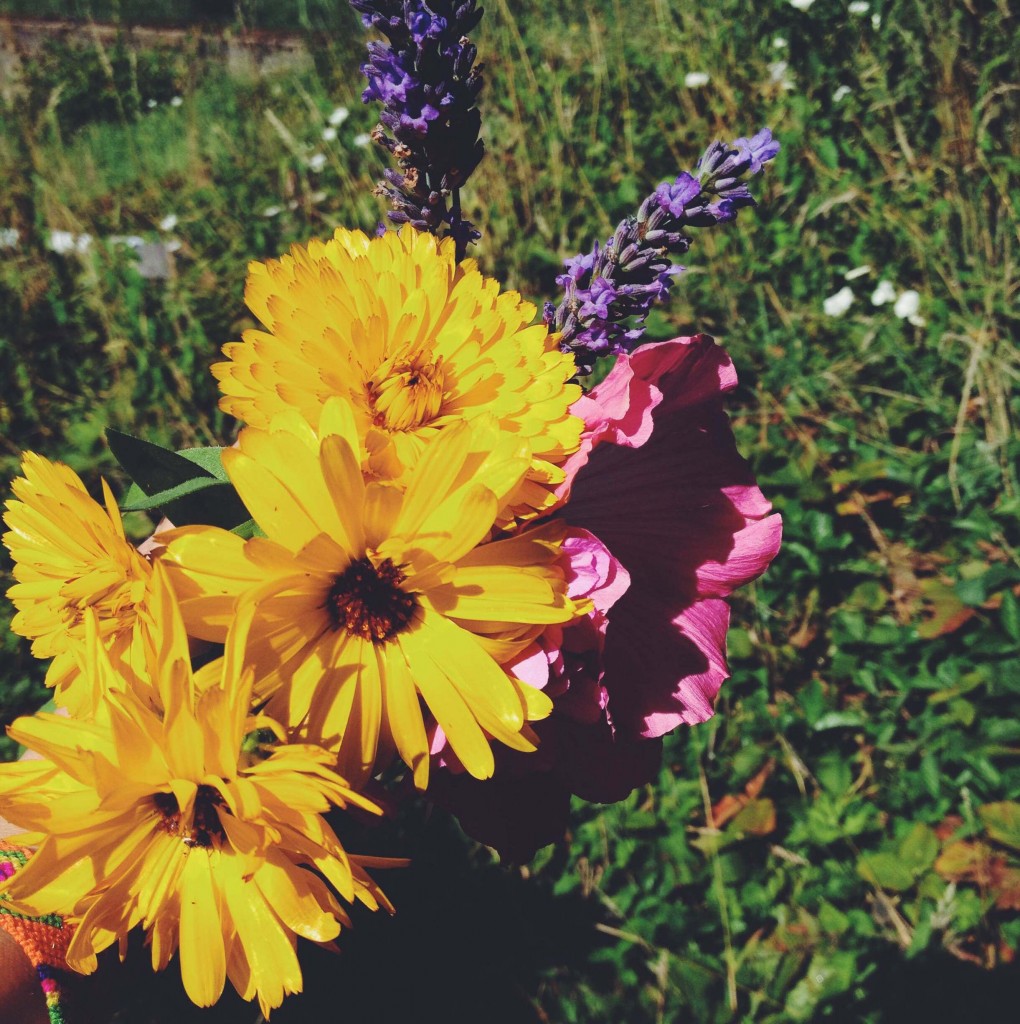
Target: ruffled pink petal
{"points": [[663, 665], [594, 571], [619, 410]]}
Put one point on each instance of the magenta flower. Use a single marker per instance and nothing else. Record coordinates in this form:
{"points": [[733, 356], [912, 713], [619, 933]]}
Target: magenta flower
{"points": [[666, 521], [659, 481]]}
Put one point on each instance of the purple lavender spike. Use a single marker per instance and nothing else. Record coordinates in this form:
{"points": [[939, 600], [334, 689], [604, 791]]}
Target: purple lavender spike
{"points": [[609, 292], [427, 81]]}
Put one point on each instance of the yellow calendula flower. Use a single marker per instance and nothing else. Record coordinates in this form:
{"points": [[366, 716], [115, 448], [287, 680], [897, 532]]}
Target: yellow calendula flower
{"points": [[414, 341], [70, 555], [366, 598], [163, 821]]}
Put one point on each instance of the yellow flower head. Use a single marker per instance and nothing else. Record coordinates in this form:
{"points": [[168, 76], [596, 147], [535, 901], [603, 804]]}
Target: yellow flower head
{"points": [[164, 821], [71, 555], [414, 341], [365, 596]]}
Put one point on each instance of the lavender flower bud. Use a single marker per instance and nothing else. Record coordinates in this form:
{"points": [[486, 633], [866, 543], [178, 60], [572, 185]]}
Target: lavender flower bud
{"points": [[425, 77], [609, 293]]}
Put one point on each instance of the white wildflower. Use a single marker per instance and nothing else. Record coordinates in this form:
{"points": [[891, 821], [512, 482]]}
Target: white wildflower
{"points": [[338, 116], [169, 222], [329, 134], [271, 211], [779, 75], [883, 294], [9, 238], [907, 304], [838, 304], [362, 139], [852, 275], [317, 161], [858, 7], [801, 5], [695, 79], [61, 242], [150, 104], [779, 43], [841, 93], [876, 21], [176, 101]]}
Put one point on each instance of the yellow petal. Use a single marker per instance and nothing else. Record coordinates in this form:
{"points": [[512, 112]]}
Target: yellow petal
{"points": [[203, 957]]}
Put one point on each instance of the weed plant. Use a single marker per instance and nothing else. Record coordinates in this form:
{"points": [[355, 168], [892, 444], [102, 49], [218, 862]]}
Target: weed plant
{"points": [[842, 841]]}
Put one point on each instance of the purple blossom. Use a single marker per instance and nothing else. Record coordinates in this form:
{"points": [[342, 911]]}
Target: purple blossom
{"points": [[675, 195], [426, 79], [609, 292]]}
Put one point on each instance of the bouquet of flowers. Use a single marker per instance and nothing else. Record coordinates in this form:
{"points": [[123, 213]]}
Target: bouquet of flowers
{"points": [[434, 562]]}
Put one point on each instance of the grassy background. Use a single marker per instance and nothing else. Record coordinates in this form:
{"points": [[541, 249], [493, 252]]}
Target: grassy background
{"points": [[842, 841]]}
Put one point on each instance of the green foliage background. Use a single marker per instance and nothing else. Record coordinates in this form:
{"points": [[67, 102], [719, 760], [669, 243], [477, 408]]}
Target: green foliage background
{"points": [[868, 741]]}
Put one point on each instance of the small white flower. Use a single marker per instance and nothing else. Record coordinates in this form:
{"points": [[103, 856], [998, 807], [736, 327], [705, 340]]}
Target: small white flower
{"points": [[779, 43], [328, 134], [858, 7], [852, 275], [176, 101], [9, 238], [150, 104], [841, 93], [169, 222], [338, 116], [362, 139], [779, 75], [838, 304], [883, 294], [61, 242], [82, 244], [317, 161], [801, 5], [876, 21], [907, 305], [695, 79], [271, 211], [173, 245]]}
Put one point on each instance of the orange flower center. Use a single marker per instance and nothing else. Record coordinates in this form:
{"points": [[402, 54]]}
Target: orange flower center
{"points": [[406, 391]]}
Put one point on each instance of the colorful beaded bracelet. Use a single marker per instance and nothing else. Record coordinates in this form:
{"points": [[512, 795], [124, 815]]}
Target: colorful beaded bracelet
{"points": [[44, 939]]}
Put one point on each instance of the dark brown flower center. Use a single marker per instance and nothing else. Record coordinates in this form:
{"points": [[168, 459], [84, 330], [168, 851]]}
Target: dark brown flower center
{"points": [[368, 601], [205, 821]]}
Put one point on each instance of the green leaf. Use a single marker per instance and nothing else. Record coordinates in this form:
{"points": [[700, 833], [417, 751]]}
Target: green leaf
{"points": [[151, 466], [164, 499], [919, 848], [187, 487], [839, 720], [1010, 613], [248, 529], [885, 870], [1002, 820]]}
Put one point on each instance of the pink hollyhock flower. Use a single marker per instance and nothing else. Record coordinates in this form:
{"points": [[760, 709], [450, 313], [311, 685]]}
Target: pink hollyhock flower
{"points": [[659, 481], [666, 521]]}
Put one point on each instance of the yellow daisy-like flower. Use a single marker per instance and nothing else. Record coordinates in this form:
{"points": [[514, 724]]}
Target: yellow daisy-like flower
{"points": [[71, 555], [164, 822], [365, 596], [414, 341]]}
